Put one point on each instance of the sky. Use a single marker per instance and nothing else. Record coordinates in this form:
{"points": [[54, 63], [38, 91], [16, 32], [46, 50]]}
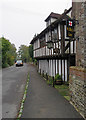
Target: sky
{"points": [[21, 19]]}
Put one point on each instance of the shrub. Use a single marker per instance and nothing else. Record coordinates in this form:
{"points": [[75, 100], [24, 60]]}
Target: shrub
{"points": [[50, 80], [5, 65], [57, 77]]}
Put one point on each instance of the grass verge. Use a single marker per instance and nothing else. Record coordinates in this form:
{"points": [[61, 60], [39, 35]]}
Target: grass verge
{"points": [[63, 90], [23, 100]]}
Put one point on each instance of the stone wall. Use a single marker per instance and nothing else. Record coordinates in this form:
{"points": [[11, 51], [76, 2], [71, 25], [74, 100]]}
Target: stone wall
{"points": [[85, 35], [78, 89], [77, 81], [79, 12]]}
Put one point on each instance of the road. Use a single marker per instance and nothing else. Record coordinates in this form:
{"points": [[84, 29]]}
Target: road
{"points": [[0, 94], [44, 101], [13, 84]]}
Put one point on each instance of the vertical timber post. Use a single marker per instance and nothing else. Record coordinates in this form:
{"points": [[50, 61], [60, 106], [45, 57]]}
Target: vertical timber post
{"points": [[53, 81]]}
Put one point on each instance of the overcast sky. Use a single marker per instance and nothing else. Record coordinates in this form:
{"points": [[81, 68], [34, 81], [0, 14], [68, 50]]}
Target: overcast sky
{"points": [[21, 19]]}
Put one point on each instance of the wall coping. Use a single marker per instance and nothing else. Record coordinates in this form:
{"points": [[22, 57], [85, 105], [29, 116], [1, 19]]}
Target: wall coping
{"points": [[78, 68]]}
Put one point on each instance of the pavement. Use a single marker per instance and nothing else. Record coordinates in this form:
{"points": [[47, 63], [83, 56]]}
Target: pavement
{"points": [[44, 101], [13, 85]]}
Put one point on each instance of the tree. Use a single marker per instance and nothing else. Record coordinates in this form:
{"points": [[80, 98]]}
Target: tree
{"points": [[8, 52], [31, 52], [11, 55], [0, 53], [23, 53]]}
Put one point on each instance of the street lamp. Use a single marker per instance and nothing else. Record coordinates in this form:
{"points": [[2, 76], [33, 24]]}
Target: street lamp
{"points": [[50, 43]]}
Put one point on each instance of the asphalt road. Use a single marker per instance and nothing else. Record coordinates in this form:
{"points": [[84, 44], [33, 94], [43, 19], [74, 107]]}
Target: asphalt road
{"points": [[0, 94], [13, 84], [44, 101]]}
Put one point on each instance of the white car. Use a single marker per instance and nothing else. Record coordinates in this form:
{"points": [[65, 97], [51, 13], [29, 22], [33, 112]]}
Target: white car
{"points": [[19, 63]]}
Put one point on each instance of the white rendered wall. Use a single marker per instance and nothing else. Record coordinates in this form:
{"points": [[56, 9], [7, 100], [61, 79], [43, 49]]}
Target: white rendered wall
{"points": [[59, 67], [65, 70], [49, 68], [71, 47], [53, 20], [75, 47], [54, 68]]}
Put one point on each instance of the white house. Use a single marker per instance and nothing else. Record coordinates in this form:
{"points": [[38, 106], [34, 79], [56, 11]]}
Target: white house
{"points": [[62, 55]]}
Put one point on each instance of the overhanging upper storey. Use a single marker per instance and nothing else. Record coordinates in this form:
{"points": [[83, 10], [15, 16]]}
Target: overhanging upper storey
{"points": [[62, 17], [55, 32]]}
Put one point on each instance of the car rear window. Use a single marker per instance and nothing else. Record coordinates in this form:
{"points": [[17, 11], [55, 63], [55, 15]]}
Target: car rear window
{"points": [[19, 61]]}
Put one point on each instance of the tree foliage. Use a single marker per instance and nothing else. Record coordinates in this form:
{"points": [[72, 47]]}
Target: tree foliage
{"points": [[31, 52], [8, 52], [25, 53], [0, 53]]}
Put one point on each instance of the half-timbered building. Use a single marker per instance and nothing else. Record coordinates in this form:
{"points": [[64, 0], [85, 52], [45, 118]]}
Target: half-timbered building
{"points": [[61, 56]]}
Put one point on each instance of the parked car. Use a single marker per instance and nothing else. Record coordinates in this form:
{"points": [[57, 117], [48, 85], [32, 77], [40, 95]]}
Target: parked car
{"points": [[19, 63]]}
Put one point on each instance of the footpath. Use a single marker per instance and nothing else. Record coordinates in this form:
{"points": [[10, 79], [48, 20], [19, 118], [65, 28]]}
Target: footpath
{"points": [[44, 101]]}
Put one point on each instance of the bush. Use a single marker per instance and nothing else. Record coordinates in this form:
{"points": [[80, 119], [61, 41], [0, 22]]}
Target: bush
{"points": [[5, 65], [50, 80], [31, 60], [35, 61], [58, 77]]}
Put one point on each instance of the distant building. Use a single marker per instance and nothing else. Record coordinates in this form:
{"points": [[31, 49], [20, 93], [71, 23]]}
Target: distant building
{"points": [[59, 58]]}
